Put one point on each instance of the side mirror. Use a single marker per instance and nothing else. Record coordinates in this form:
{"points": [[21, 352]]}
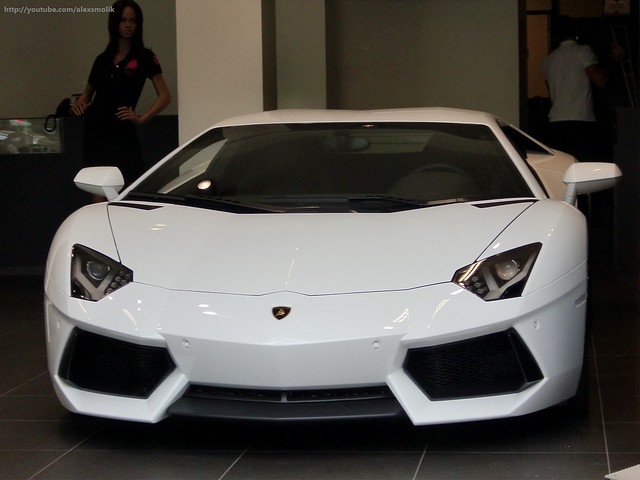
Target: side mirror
{"points": [[589, 177], [103, 181]]}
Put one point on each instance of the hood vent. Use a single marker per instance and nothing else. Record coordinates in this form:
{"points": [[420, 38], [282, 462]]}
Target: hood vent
{"points": [[138, 206]]}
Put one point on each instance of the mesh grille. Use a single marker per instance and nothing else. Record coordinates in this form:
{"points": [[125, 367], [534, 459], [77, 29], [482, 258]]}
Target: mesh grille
{"points": [[102, 364], [288, 396], [490, 365]]}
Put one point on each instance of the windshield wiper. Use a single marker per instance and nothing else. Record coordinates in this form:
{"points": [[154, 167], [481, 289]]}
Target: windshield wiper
{"points": [[340, 203], [370, 200], [217, 203], [227, 204], [152, 197]]}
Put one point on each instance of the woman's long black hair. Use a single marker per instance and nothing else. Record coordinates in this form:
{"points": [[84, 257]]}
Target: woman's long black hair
{"points": [[115, 16]]}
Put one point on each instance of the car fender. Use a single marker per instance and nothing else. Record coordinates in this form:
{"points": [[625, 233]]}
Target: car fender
{"points": [[88, 226], [562, 230]]}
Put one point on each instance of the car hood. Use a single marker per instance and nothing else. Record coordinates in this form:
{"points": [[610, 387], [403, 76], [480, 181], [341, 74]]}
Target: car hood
{"points": [[184, 248]]}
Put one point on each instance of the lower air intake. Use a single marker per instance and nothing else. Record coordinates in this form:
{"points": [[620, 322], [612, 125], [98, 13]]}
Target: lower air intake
{"points": [[105, 365], [494, 364]]}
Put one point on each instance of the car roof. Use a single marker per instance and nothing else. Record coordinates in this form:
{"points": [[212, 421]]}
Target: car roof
{"points": [[434, 114]]}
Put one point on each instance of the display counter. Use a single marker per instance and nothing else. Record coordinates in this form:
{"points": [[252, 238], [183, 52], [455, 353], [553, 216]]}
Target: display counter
{"points": [[29, 135], [37, 193]]}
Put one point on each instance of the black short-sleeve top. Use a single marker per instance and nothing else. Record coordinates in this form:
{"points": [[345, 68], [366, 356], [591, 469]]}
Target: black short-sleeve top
{"points": [[120, 85]]}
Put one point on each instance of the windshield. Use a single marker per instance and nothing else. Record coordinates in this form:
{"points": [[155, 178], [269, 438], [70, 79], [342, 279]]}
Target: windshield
{"points": [[336, 167]]}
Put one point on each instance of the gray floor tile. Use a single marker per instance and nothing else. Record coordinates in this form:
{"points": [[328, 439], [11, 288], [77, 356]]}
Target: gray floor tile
{"points": [[22, 370], [329, 466], [521, 466], [343, 437], [32, 407], [620, 406], [623, 437], [39, 385], [44, 435], [139, 465], [539, 433], [18, 464]]}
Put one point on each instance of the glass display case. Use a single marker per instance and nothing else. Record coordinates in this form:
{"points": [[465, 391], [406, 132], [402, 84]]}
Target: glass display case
{"points": [[29, 135]]}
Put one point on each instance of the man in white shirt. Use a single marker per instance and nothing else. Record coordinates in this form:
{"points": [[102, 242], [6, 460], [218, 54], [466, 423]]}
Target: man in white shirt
{"points": [[570, 71]]}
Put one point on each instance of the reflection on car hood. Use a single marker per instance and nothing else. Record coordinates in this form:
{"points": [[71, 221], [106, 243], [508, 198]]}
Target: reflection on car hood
{"points": [[185, 248]]}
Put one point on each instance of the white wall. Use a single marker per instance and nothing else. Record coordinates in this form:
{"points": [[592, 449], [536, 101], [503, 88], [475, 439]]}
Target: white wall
{"points": [[402, 53], [471, 60], [47, 56], [219, 46], [301, 55]]}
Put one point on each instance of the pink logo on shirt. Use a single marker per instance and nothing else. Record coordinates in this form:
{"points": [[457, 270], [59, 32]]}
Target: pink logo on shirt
{"points": [[132, 65]]}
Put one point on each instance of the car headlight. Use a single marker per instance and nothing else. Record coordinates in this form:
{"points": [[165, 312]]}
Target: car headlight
{"points": [[500, 276], [94, 275]]}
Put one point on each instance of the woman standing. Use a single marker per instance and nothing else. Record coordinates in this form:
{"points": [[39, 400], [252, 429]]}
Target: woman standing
{"points": [[110, 98]]}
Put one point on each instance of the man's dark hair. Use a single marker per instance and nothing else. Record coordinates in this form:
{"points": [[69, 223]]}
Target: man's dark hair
{"points": [[565, 28]]}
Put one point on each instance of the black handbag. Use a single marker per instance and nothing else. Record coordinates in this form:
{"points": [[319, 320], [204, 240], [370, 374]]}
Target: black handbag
{"points": [[63, 110]]}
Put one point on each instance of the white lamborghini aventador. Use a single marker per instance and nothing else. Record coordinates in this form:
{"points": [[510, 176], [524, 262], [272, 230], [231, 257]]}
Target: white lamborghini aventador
{"points": [[287, 265]]}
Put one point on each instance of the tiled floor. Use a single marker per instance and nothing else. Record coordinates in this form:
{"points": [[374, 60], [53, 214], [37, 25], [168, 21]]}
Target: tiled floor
{"points": [[40, 440]]}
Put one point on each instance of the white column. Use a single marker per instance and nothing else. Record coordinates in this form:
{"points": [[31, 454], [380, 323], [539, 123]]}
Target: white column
{"points": [[219, 50]]}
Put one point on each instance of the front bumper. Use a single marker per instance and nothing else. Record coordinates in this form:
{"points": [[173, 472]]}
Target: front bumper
{"points": [[338, 343]]}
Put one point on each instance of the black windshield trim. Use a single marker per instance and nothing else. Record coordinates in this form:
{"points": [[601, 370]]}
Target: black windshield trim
{"points": [[212, 203], [139, 206]]}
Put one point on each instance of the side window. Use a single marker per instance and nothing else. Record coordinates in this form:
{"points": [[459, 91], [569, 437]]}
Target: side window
{"points": [[523, 143]]}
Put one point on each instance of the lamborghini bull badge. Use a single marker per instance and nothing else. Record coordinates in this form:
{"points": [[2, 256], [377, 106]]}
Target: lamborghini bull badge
{"points": [[280, 312]]}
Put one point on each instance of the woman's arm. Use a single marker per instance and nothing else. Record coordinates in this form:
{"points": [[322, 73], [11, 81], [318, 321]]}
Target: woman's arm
{"points": [[83, 101], [163, 99]]}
